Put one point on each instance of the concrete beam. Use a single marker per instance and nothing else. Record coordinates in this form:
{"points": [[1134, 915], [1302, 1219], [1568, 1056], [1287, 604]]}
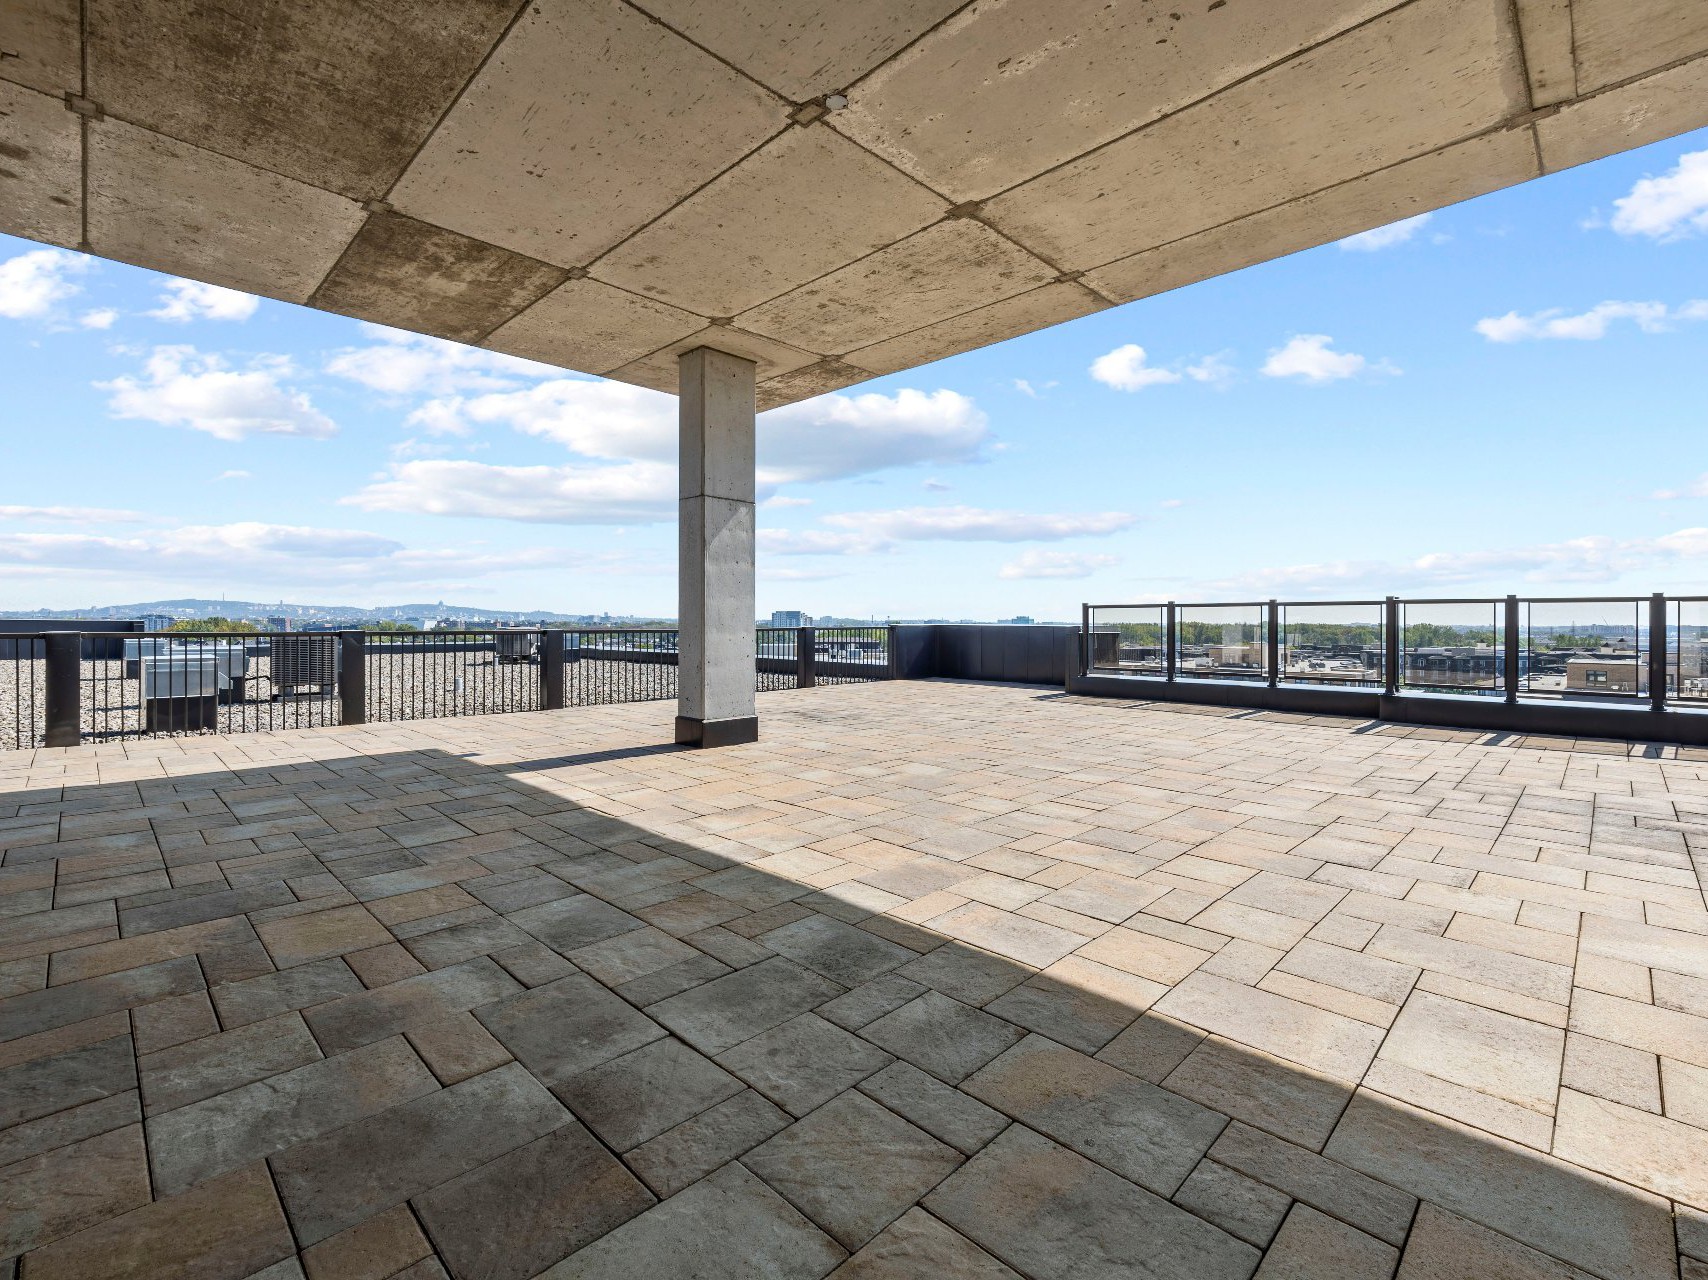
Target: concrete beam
{"points": [[715, 641]]}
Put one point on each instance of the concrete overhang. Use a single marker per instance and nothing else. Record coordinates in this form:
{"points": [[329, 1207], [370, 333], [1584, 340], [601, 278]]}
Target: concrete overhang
{"points": [[601, 184]]}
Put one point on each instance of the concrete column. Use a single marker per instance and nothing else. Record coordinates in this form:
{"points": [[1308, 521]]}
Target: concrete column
{"points": [[714, 572]]}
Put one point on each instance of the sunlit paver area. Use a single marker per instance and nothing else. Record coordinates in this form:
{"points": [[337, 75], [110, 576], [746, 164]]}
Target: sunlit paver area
{"points": [[935, 980]]}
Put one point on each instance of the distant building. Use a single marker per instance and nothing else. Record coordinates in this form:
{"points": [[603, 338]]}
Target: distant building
{"points": [[1606, 675], [278, 624], [790, 618], [157, 621], [1019, 620]]}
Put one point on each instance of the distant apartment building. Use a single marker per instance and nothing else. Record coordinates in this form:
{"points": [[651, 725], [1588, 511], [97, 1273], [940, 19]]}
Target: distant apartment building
{"points": [[790, 618], [278, 624]]}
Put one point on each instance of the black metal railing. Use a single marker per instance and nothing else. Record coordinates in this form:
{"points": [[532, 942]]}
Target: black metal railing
{"points": [[59, 688], [1605, 652], [23, 690]]}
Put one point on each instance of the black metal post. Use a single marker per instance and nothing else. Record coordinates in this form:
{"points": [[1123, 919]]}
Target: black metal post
{"points": [[1391, 645], [892, 647], [1084, 639], [352, 677], [806, 657], [64, 653], [1658, 653], [552, 658], [1168, 631], [1509, 664], [1272, 620]]}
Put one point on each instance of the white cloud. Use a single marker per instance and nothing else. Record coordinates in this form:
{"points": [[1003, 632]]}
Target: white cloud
{"points": [[1055, 564], [187, 300], [267, 557], [400, 363], [183, 388], [100, 318], [626, 493], [1386, 237], [1214, 369], [830, 437], [866, 532], [1171, 503], [1127, 368], [778, 500], [233, 475], [934, 485], [73, 515], [34, 283], [1697, 488], [1590, 559], [1670, 207], [1587, 326], [835, 437], [1026, 388], [1309, 358]]}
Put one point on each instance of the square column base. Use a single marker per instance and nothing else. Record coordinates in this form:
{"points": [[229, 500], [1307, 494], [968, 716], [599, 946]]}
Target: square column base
{"points": [[716, 733]]}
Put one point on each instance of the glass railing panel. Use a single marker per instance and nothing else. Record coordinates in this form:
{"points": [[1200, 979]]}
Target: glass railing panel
{"points": [[1221, 642], [1452, 646], [1687, 659], [1583, 650], [1333, 645], [1128, 639]]}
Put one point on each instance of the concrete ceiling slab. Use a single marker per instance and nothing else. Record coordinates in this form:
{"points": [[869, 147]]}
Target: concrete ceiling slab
{"points": [[410, 275], [1025, 313], [41, 44], [1005, 91], [165, 205], [1545, 26], [1618, 39], [1632, 115], [589, 121], [802, 48], [1000, 165], [802, 205], [585, 324], [658, 370], [1443, 177], [41, 167], [803, 384], [945, 270], [339, 93], [1433, 72]]}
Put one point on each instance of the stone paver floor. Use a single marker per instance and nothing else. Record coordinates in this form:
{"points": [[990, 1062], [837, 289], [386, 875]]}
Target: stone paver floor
{"points": [[936, 980]]}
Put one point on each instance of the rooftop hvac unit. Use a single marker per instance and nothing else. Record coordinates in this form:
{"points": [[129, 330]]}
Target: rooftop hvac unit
{"points": [[180, 690], [146, 647], [516, 646], [304, 661]]}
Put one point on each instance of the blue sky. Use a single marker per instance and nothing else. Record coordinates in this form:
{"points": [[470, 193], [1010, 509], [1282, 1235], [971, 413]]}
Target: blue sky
{"points": [[1509, 395]]}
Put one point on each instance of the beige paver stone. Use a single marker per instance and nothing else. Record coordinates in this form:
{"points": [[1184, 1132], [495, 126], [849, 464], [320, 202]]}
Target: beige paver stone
{"points": [[300, 939], [1280, 1097], [1143, 1132], [1314, 1246], [456, 1047], [1051, 1213], [730, 1223], [1634, 1146], [1666, 1032], [1445, 1246], [918, 1244], [229, 1227], [1478, 1048], [1616, 1072], [1592, 1222], [1314, 1038], [381, 1247], [62, 1191]]}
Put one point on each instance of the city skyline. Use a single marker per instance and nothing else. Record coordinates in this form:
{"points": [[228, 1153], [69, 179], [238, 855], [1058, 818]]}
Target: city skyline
{"points": [[1440, 406]]}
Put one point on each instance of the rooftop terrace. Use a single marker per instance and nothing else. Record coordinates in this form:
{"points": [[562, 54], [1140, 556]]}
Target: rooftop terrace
{"points": [[934, 979]]}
